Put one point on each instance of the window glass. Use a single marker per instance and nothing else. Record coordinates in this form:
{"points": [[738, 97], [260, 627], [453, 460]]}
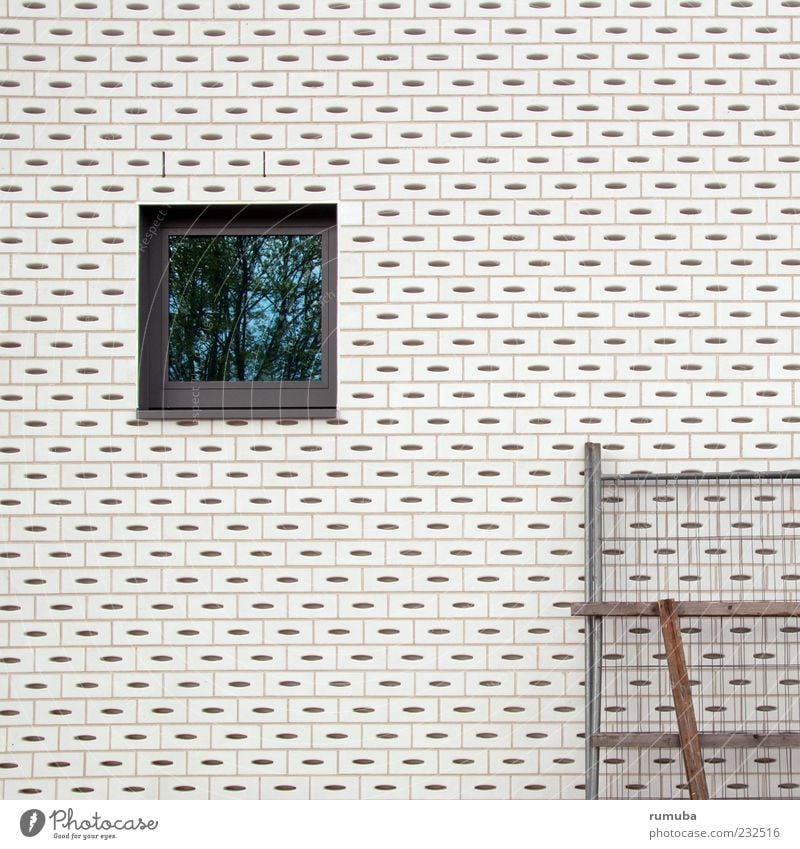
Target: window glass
{"points": [[245, 308]]}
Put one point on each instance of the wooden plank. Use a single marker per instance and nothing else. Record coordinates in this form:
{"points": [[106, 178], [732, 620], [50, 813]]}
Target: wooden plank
{"points": [[614, 608], [734, 740], [682, 696], [688, 608]]}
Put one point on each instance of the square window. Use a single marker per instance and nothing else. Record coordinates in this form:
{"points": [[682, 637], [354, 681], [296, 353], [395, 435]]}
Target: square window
{"points": [[237, 312]]}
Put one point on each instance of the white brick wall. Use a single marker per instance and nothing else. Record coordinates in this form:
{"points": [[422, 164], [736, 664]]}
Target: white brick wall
{"points": [[559, 221]]}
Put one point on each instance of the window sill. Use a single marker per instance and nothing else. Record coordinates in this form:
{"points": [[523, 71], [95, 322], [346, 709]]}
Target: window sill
{"points": [[241, 413]]}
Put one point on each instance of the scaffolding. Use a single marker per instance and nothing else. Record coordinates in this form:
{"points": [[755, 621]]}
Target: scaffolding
{"points": [[692, 634]]}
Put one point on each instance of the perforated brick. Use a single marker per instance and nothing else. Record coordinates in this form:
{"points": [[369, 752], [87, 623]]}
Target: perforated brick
{"points": [[558, 221]]}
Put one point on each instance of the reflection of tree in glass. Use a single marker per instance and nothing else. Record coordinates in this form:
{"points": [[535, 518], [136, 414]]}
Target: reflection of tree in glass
{"points": [[245, 307]]}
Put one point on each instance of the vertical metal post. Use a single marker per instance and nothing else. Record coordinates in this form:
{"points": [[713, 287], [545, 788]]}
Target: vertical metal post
{"points": [[593, 579]]}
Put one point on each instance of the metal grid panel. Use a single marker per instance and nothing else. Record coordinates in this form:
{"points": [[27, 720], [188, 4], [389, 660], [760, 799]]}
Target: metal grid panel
{"points": [[701, 539], [657, 773]]}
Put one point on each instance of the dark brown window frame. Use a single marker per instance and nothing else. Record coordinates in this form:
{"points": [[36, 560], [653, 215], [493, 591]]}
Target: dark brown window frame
{"points": [[161, 398]]}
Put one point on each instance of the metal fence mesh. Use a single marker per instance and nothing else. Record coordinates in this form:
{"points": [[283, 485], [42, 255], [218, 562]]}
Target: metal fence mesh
{"points": [[729, 539]]}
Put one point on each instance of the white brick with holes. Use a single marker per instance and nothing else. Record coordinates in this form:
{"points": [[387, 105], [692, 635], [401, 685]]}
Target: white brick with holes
{"points": [[559, 221]]}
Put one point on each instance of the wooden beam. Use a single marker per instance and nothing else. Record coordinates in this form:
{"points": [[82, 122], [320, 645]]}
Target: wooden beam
{"points": [[717, 740], [688, 608], [682, 696]]}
